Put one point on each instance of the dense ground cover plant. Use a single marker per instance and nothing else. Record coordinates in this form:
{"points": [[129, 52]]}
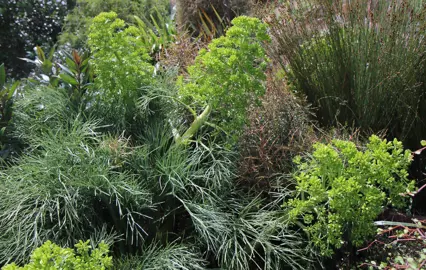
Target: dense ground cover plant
{"points": [[358, 62], [25, 24], [340, 190], [67, 185], [75, 183], [51, 256]]}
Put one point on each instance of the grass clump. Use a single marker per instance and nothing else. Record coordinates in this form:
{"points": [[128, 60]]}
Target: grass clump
{"points": [[67, 188], [358, 62]]}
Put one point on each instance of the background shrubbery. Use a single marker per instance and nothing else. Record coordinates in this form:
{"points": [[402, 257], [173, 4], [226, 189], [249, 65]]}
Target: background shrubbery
{"points": [[190, 14], [25, 24], [78, 21]]}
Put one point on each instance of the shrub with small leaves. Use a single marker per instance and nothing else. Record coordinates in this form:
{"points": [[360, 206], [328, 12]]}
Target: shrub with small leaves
{"points": [[51, 256], [341, 189]]}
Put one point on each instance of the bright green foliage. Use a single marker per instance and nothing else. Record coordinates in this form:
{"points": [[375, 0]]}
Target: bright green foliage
{"points": [[230, 74], [341, 190], [120, 61], [50, 256]]}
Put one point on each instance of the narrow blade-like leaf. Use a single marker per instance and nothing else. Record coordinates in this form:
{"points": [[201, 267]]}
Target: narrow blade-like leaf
{"points": [[2, 76]]}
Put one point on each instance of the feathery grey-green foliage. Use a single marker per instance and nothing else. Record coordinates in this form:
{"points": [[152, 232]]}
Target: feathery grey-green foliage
{"points": [[64, 190], [73, 182], [169, 257], [89, 172]]}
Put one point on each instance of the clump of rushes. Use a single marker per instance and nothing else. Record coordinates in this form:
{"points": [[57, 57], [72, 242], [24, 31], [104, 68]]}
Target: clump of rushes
{"points": [[359, 63]]}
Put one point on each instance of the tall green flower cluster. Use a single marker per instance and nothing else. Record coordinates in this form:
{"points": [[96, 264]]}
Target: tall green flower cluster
{"points": [[231, 73], [121, 64], [119, 56]]}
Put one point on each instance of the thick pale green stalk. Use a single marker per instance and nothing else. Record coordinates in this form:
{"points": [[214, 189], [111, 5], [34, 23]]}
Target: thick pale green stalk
{"points": [[195, 126]]}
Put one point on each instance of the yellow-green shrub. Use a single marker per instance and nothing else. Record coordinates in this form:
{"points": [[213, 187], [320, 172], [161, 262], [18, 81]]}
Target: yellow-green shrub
{"points": [[230, 75], [341, 189], [52, 256]]}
